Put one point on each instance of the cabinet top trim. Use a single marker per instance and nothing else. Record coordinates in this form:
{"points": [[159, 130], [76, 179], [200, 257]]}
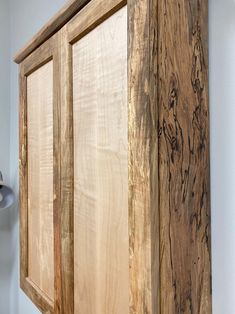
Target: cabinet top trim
{"points": [[52, 26]]}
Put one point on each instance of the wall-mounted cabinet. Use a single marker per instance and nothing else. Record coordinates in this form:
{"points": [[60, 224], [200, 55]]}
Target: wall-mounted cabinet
{"points": [[114, 161]]}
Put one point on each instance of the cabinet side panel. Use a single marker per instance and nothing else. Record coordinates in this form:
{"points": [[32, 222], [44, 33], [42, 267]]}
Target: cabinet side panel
{"points": [[40, 178], [184, 157], [101, 174]]}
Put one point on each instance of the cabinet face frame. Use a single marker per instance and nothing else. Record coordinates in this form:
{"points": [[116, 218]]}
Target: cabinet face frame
{"points": [[46, 53]]}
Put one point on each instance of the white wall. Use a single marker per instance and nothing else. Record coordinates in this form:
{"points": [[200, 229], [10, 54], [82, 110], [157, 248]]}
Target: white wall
{"points": [[26, 18], [222, 108], [5, 257], [4, 88]]}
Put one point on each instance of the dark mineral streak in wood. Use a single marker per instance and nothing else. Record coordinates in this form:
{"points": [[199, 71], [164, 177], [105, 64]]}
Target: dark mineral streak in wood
{"points": [[184, 157]]}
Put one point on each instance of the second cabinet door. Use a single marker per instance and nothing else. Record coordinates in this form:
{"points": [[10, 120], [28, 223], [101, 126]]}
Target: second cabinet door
{"points": [[97, 53]]}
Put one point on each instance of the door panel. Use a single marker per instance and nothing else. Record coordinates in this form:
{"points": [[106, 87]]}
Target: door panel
{"points": [[40, 272], [40, 178], [101, 247]]}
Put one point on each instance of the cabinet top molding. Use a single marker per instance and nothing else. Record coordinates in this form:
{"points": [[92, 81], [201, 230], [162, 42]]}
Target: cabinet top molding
{"points": [[54, 24]]}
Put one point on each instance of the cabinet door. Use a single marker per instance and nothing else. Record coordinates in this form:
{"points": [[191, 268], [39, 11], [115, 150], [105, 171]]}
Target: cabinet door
{"points": [[97, 50], [39, 175]]}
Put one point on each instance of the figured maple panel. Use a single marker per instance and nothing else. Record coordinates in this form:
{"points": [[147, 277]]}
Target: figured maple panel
{"points": [[40, 178], [101, 175]]}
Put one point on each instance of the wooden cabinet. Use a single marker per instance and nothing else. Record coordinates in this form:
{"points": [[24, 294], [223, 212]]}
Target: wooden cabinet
{"points": [[40, 173], [114, 159]]}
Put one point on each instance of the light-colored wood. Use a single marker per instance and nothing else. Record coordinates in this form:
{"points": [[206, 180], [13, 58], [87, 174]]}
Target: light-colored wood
{"points": [[46, 303], [40, 57], [143, 157], [40, 178], [52, 26], [100, 173], [92, 15]]}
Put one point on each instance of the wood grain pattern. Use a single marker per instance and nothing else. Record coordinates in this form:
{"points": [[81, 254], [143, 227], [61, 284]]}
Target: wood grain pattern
{"points": [[184, 157], [66, 172], [94, 13], [48, 30], [63, 232], [100, 175], [23, 177], [40, 178], [168, 158], [143, 158], [37, 60], [60, 278]]}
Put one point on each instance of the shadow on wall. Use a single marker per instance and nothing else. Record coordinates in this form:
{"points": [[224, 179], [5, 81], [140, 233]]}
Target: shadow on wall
{"points": [[8, 255], [14, 254], [5, 261]]}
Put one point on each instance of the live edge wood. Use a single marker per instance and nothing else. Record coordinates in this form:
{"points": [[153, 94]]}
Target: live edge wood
{"points": [[143, 158], [169, 190], [184, 190]]}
